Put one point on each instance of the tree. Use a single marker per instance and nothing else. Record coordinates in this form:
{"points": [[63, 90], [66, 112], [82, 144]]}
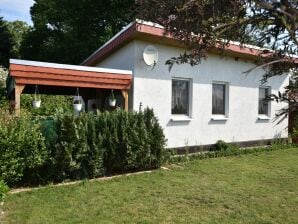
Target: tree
{"points": [[3, 77], [17, 29], [203, 25], [68, 31], [6, 43]]}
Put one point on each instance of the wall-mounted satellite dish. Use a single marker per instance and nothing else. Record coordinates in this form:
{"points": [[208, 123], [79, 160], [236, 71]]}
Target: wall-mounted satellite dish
{"points": [[150, 55]]}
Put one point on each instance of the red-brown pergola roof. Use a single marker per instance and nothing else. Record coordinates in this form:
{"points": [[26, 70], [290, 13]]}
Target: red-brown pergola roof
{"points": [[51, 74]]}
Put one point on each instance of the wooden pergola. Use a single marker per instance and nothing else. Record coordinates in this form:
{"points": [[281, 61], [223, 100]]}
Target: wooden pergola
{"points": [[61, 79]]}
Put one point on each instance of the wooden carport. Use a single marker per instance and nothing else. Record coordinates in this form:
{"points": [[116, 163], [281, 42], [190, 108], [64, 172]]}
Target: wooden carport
{"points": [[61, 79]]}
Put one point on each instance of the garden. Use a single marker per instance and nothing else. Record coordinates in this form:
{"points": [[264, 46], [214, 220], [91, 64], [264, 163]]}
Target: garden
{"points": [[260, 187], [224, 185], [61, 161]]}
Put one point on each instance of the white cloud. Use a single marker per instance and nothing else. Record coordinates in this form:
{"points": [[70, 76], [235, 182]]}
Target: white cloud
{"points": [[16, 10]]}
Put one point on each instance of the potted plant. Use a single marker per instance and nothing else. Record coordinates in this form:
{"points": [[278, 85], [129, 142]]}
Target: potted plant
{"points": [[77, 102], [77, 105], [37, 101], [112, 99]]}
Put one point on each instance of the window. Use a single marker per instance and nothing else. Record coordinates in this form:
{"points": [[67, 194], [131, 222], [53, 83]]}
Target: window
{"points": [[263, 103], [219, 98], [180, 96]]}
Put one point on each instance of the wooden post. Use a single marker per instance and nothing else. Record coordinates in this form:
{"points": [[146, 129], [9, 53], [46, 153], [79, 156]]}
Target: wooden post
{"points": [[17, 94], [125, 96]]}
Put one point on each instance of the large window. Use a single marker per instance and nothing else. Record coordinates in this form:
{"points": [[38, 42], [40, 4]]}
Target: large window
{"points": [[219, 98], [180, 96], [263, 102]]}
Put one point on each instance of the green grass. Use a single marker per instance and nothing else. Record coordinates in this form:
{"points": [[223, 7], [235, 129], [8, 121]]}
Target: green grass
{"points": [[256, 188]]}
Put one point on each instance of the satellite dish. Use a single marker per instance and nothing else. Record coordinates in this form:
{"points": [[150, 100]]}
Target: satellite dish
{"points": [[150, 55]]}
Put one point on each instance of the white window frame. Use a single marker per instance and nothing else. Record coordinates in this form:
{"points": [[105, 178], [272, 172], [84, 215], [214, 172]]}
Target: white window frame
{"points": [[266, 116], [183, 117], [225, 116]]}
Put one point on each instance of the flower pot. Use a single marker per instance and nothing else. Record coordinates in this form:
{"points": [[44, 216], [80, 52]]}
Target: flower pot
{"points": [[112, 102], [77, 107], [36, 103]]}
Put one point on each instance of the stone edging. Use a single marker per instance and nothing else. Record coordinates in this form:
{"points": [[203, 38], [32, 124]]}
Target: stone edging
{"points": [[19, 190]]}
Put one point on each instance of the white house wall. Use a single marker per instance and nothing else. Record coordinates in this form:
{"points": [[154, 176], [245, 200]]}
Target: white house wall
{"points": [[152, 88], [122, 59]]}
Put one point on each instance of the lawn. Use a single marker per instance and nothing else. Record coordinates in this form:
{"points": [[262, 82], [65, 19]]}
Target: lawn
{"points": [[255, 188]]}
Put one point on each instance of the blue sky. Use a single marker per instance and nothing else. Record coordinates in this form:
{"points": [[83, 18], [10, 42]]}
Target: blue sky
{"points": [[16, 10]]}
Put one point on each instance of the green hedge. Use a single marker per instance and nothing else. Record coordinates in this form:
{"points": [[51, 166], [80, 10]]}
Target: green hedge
{"points": [[76, 152], [88, 146], [76, 147], [131, 141], [222, 149]]}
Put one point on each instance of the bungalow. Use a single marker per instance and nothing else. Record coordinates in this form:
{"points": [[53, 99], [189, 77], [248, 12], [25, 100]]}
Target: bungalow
{"points": [[196, 105]]}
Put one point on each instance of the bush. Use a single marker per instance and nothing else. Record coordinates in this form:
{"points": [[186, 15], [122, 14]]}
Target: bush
{"points": [[88, 145], [3, 190], [221, 145], [77, 152], [22, 149], [131, 141], [76, 147]]}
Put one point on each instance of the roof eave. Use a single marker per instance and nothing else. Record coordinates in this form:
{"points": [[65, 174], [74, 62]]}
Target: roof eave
{"points": [[148, 31]]}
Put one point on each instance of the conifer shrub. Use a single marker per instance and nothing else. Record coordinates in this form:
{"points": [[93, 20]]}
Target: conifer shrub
{"points": [[76, 151], [89, 145], [131, 141]]}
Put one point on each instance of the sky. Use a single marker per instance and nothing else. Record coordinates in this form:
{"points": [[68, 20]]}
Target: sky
{"points": [[16, 10]]}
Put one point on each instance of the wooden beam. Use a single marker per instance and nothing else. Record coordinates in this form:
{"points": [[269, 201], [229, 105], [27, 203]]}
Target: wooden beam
{"points": [[17, 96], [125, 96]]}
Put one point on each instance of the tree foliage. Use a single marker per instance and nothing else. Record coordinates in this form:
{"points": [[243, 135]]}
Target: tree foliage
{"points": [[68, 31], [207, 24], [18, 29], [6, 43], [3, 77]]}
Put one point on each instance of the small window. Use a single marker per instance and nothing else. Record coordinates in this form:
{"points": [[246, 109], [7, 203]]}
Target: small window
{"points": [[180, 96], [219, 98], [263, 102]]}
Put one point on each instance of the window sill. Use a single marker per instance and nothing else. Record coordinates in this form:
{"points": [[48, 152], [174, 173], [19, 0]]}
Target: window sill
{"points": [[263, 117], [219, 118], [181, 118]]}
